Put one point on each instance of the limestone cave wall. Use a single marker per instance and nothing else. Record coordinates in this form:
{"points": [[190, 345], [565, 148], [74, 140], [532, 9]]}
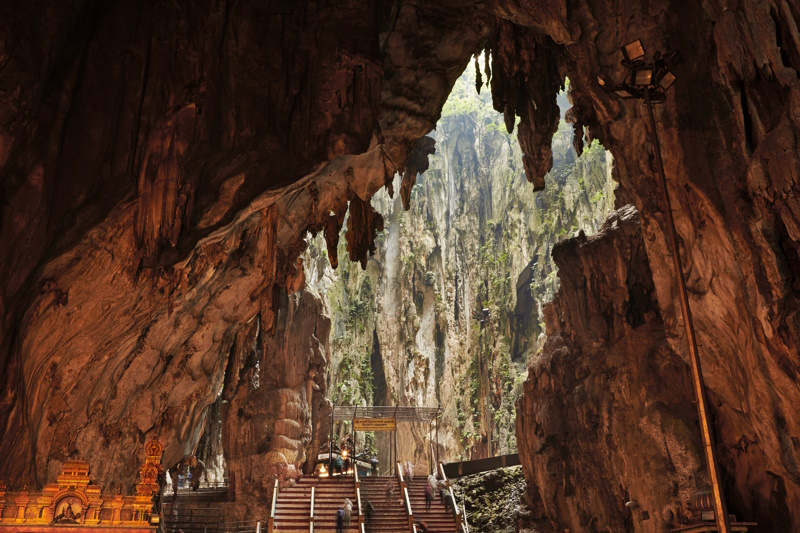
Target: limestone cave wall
{"points": [[162, 162], [731, 113]]}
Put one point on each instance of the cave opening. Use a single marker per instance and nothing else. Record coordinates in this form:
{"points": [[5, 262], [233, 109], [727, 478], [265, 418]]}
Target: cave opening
{"points": [[162, 162], [476, 236]]}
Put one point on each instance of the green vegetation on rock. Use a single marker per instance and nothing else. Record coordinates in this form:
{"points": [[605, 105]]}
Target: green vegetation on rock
{"points": [[476, 236]]}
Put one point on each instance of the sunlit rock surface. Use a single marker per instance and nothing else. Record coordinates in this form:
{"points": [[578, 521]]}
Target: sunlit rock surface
{"points": [[495, 502], [404, 330]]}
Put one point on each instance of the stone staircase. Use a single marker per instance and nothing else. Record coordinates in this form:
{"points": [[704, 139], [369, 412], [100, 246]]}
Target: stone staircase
{"points": [[438, 519], [293, 505], [390, 516]]}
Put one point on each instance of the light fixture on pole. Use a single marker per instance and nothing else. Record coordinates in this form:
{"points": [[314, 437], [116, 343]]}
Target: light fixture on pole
{"points": [[483, 317], [649, 81]]}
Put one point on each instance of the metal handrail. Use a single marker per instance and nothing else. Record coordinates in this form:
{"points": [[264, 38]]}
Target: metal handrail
{"points": [[452, 498], [360, 512], [271, 523], [408, 509], [240, 526]]}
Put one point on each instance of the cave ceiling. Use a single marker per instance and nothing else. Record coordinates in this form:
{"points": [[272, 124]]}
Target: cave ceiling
{"points": [[162, 163]]}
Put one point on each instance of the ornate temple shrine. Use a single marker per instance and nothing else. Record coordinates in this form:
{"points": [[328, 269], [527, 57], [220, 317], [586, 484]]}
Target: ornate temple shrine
{"points": [[74, 501]]}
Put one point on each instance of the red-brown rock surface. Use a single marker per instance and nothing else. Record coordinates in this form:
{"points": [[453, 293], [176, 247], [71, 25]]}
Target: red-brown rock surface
{"points": [[162, 161], [606, 413], [729, 116]]}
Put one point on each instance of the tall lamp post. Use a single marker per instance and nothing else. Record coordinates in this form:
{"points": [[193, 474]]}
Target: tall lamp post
{"points": [[649, 81], [483, 317]]}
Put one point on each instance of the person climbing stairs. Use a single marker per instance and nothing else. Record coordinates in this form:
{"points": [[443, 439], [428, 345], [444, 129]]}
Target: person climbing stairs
{"points": [[293, 505], [383, 492], [438, 519]]}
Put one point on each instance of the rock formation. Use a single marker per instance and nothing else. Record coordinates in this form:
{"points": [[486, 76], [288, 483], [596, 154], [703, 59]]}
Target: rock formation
{"points": [[606, 408], [161, 164], [732, 110]]}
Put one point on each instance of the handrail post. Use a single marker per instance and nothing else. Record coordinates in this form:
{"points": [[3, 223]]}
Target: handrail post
{"points": [[400, 476], [360, 512], [311, 516], [271, 523]]}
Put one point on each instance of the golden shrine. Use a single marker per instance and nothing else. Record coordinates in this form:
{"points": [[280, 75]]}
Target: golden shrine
{"points": [[73, 501]]}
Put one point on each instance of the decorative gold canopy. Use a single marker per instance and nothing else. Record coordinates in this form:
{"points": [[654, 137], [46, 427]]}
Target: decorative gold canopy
{"points": [[74, 501]]}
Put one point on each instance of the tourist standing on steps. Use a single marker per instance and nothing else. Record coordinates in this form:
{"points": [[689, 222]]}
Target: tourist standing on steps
{"points": [[442, 485], [409, 471], [390, 491], [373, 462], [433, 483], [422, 527], [340, 520], [348, 512], [346, 464], [428, 496], [369, 511], [337, 465], [448, 504]]}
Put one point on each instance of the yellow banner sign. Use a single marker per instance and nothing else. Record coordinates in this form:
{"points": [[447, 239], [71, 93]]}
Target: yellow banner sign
{"points": [[374, 424]]}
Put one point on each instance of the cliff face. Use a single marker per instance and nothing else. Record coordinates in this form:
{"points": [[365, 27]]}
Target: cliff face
{"points": [[162, 162], [404, 330]]}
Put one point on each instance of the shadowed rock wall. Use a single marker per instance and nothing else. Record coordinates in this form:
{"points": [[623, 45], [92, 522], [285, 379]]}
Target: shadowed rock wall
{"points": [[161, 163], [732, 111]]}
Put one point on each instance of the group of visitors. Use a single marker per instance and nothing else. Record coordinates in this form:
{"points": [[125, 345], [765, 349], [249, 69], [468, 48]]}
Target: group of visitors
{"points": [[433, 486], [441, 487], [343, 515]]}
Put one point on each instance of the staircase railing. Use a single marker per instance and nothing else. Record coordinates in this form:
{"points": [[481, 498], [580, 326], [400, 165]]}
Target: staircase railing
{"points": [[452, 497], [311, 516], [358, 496], [408, 510], [404, 495], [271, 523], [464, 508], [246, 526]]}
